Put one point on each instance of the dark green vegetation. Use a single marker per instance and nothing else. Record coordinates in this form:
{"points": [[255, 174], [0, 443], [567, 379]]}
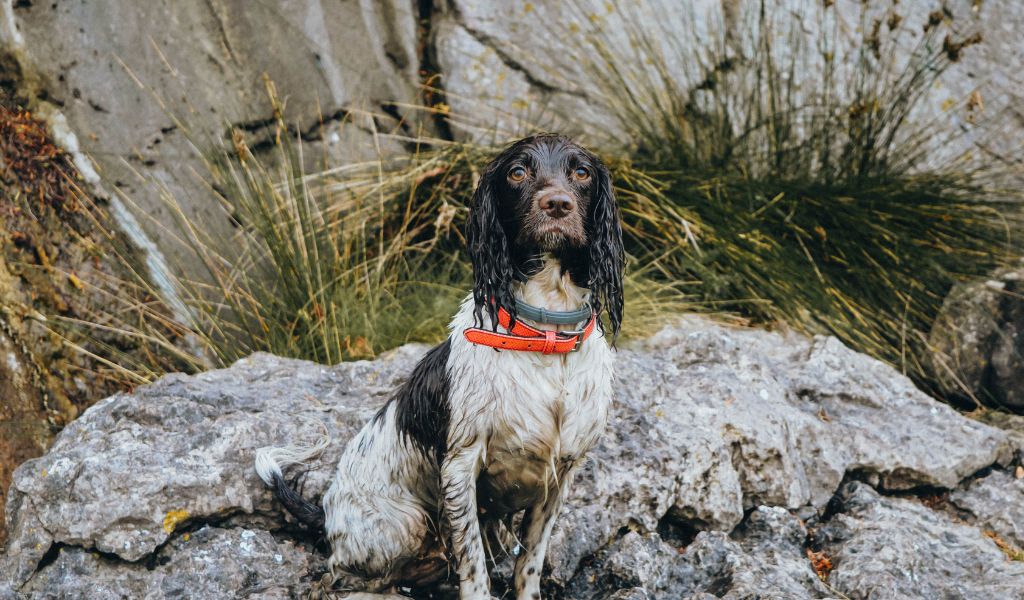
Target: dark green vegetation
{"points": [[815, 201], [815, 205]]}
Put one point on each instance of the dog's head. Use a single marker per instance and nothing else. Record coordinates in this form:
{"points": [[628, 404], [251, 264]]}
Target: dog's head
{"points": [[545, 195]]}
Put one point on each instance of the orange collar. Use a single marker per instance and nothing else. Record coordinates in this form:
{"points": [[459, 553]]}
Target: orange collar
{"points": [[524, 338]]}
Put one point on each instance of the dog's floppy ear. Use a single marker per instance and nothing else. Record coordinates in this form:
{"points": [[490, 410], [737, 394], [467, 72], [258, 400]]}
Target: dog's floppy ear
{"points": [[607, 256], [490, 253]]}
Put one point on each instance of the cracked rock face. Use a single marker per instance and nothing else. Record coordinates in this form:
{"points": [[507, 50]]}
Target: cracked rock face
{"points": [[722, 443], [899, 548], [123, 73], [540, 64]]}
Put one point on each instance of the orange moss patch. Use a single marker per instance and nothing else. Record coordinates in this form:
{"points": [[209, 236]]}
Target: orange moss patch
{"points": [[33, 162], [1011, 551], [821, 563]]}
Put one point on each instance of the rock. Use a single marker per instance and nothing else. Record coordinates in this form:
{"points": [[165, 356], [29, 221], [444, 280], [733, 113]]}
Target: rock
{"points": [[711, 423], [994, 503], [978, 338], [187, 443], [765, 559], [235, 562], [542, 64], [120, 76], [898, 548]]}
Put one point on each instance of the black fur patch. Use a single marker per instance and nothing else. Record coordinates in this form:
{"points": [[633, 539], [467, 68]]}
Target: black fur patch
{"points": [[422, 411], [304, 511]]}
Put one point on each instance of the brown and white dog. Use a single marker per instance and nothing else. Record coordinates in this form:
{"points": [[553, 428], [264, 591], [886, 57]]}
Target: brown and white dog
{"points": [[493, 421]]}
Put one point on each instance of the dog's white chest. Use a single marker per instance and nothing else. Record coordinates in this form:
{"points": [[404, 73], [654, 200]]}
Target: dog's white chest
{"points": [[551, 405], [551, 415], [539, 414], [535, 440]]}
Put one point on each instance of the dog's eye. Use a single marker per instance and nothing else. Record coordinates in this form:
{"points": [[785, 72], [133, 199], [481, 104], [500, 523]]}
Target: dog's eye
{"points": [[581, 174], [517, 174]]}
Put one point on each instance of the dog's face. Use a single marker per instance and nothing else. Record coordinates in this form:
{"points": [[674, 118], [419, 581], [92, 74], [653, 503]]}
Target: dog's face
{"points": [[546, 195]]}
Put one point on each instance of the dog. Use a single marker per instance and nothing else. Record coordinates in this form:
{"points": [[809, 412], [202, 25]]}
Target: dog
{"points": [[493, 421]]}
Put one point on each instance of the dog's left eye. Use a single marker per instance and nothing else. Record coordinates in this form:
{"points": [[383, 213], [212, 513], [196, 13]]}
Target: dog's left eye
{"points": [[581, 174]]}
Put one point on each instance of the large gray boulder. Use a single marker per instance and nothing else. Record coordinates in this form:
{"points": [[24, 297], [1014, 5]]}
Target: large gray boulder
{"points": [[722, 443], [115, 77], [713, 421], [541, 64]]}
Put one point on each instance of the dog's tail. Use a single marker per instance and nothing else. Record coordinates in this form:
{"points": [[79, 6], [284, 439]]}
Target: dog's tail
{"points": [[269, 465]]}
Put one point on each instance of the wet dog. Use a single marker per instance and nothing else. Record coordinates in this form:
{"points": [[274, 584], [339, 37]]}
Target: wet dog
{"points": [[493, 421]]}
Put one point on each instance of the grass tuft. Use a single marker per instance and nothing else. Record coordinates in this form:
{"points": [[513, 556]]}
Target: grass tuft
{"points": [[333, 264], [814, 191]]}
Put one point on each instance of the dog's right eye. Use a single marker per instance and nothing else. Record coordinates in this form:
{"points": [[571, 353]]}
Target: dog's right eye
{"points": [[517, 174]]}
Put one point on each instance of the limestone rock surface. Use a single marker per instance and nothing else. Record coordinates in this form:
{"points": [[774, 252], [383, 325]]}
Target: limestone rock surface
{"points": [[899, 548], [725, 451]]}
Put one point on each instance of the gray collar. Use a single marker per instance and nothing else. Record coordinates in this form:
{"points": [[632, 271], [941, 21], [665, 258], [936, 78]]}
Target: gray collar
{"points": [[552, 317]]}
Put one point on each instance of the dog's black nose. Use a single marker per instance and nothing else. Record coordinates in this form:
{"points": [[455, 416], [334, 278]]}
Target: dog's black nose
{"points": [[558, 204]]}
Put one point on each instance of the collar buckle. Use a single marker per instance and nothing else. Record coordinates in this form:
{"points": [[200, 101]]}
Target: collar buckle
{"points": [[579, 333]]}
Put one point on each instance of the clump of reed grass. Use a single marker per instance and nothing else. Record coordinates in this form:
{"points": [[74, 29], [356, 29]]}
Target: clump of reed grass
{"points": [[807, 173], [327, 264], [317, 267]]}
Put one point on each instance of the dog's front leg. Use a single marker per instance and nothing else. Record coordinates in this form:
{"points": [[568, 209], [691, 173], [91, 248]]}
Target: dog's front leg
{"points": [[535, 532], [459, 472]]}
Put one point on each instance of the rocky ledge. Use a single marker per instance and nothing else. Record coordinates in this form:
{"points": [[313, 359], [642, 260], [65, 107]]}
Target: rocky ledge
{"points": [[739, 463]]}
